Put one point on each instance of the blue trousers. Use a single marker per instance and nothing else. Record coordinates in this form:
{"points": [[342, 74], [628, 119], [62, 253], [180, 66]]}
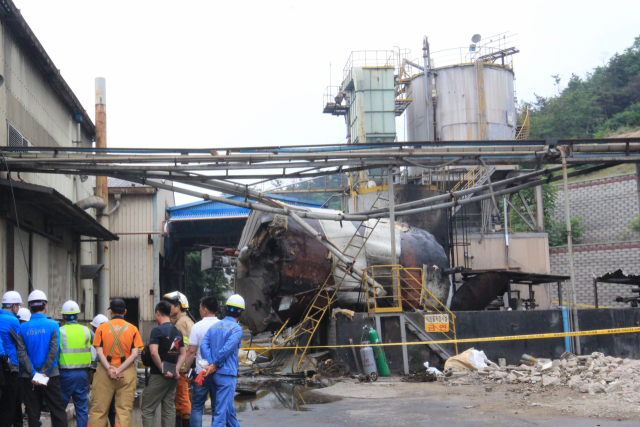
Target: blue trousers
{"points": [[223, 387], [75, 383], [198, 398]]}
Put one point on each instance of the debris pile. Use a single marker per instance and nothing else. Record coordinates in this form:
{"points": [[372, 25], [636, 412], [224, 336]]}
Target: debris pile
{"points": [[591, 374]]}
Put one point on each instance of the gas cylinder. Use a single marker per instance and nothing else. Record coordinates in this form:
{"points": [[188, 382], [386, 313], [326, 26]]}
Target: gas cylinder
{"points": [[368, 359], [381, 361]]}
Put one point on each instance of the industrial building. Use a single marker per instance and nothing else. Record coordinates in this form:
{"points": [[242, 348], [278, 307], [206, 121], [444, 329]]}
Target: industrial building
{"points": [[44, 234]]}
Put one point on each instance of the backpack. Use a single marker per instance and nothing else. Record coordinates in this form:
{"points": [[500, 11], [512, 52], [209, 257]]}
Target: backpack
{"points": [[146, 358]]}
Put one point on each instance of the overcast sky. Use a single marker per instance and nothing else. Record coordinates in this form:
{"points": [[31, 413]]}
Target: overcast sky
{"points": [[220, 74]]}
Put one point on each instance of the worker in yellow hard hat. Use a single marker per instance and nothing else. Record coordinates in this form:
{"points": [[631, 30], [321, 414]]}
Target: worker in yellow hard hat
{"points": [[183, 321]]}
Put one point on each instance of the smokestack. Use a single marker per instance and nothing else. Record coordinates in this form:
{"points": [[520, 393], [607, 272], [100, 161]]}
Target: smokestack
{"points": [[102, 190]]}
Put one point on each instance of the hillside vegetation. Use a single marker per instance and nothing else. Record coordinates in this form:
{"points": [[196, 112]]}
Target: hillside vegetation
{"points": [[604, 102]]}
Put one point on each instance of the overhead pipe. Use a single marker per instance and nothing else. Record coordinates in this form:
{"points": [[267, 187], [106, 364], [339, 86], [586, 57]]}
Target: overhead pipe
{"points": [[92, 202]]}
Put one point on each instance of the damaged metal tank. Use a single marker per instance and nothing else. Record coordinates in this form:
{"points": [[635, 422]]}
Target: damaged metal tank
{"points": [[281, 267]]}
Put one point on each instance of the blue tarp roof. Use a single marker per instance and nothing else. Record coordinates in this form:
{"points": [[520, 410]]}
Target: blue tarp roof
{"points": [[211, 209]]}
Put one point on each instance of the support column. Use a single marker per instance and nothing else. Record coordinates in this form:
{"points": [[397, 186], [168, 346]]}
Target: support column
{"points": [[572, 273], [540, 209], [102, 190], [392, 227]]}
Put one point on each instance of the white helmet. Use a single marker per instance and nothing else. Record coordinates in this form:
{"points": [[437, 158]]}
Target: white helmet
{"points": [[24, 314], [37, 298], [99, 320], [236, 301], [11, 297], [177, 296], [70, 307]]}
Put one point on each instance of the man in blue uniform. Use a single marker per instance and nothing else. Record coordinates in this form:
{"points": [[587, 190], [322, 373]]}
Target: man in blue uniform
{"points": [[41, 338], [9, 334], [220, 347]]}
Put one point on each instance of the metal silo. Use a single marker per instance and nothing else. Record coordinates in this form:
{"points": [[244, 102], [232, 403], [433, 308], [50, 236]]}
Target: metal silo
{"points": [[475, 102]]}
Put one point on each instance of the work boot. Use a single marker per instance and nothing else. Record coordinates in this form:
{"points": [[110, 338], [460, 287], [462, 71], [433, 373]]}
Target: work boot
{"points": [[178, 421], [186, 422]]}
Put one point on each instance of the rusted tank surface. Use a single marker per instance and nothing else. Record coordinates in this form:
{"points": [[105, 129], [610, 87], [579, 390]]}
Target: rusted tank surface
{"points": [[477, 292], [281, 267]]}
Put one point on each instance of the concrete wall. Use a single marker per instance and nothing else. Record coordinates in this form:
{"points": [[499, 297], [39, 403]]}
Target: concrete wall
{"points": [[598, 259], [607, 205]]}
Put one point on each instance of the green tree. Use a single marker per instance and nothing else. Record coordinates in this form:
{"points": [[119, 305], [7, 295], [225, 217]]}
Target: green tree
{"points": [[603, 102], [212, 282]]}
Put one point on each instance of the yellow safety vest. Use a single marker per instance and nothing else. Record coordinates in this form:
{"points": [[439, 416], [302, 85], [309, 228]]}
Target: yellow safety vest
{"points": [[75, 347]]}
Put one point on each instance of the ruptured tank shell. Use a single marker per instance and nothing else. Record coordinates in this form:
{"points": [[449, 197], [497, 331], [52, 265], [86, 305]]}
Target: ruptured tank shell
{"points": [[281, 267]]}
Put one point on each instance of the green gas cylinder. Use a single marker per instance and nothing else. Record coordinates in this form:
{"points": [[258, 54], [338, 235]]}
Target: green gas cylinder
{"points": [[381, 361]]}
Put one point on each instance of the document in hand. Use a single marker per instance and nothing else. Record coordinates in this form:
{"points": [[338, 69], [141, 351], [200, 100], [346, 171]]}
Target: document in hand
{"points": [[169, 367], [41, 379]]}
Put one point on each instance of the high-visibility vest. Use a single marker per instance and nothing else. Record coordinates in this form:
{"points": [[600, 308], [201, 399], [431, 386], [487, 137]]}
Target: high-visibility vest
{"points": [[75, 347]]}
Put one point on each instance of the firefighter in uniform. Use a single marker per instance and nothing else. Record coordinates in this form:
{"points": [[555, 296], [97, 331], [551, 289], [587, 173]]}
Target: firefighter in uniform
{"points": [[182, 320], [220, 347], [75, 360]]}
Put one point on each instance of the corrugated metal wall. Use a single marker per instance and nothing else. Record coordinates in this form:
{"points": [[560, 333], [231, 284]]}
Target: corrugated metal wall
{"points": [[132, 272]]}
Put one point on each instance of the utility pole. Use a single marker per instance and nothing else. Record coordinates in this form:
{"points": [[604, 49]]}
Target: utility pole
{"points": [[102, 190], [572, 273]]}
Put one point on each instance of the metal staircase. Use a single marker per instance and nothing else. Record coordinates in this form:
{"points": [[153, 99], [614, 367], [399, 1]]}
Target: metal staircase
{"points": [[477, 182], [418, 329]]}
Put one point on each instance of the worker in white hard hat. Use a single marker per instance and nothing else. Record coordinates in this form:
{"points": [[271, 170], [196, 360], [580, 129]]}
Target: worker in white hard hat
{"points": [[183, 321], [220, 347], [10, 339], [41, 338], [18, 419], [24, 315], [75, 361]]}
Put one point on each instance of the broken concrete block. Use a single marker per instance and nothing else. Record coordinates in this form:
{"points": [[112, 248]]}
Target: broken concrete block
{"points": [[548, 380], [595, 388]]}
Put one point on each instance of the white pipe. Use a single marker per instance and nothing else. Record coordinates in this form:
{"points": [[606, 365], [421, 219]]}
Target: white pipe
{"points": [[117, 197], [92, 202]]}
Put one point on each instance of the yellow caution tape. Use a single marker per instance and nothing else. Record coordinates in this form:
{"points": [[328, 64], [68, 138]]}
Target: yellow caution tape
{"points": [[466, 340], [568, 305]]}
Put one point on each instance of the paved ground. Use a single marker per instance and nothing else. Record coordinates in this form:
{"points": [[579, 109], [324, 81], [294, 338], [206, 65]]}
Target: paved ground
{"points": [[383, 404]]}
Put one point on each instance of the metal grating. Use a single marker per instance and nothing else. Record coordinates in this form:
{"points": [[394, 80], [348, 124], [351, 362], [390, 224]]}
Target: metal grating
{"points": [[15, 138]]}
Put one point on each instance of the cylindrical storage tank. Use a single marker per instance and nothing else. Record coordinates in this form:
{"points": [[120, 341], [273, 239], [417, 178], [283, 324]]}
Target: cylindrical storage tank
{"points": [[457, 103], [418, 124], [368, 359]]}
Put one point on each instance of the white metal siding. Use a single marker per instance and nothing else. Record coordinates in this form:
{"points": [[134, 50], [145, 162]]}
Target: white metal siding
{"points": [[132, 271]]}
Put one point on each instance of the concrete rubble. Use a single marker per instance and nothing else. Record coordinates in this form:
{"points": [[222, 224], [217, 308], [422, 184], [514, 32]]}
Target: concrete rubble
{"points": [[593, 374]]}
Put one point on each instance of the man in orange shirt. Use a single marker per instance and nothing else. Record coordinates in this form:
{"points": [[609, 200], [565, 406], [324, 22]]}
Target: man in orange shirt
{"points": [[117, 344]]}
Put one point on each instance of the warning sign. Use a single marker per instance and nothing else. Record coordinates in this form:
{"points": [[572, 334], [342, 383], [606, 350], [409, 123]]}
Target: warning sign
{"points": [[436, 322]]}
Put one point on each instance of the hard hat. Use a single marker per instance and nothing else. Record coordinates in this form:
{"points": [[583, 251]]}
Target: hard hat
{"points": [[70, 307], [177, 297], [37, 298], [236, 301], [24, 314], [11, 297], [99, 320]]}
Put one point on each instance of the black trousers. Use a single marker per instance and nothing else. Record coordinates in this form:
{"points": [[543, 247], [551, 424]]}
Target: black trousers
{"points": [[52, 396], [18, 421], [8, 401]]}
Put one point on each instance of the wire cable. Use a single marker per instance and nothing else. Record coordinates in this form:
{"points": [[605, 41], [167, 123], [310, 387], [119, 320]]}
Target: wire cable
{"points": [[15, 208]]}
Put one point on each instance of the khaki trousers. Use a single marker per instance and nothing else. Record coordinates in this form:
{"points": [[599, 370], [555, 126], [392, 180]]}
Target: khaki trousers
{"points": [[104, 389], [160, 390]]}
